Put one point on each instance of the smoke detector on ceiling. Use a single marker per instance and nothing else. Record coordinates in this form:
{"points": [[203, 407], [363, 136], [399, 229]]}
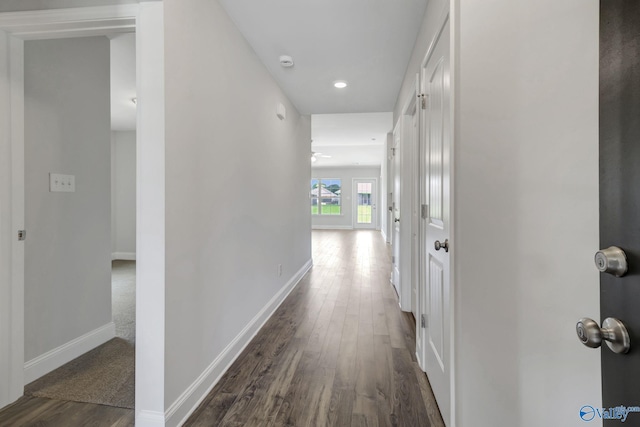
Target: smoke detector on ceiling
{"points": [[286, 61]]}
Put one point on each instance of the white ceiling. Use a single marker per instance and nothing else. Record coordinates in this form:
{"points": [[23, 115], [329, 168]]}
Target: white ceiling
{"points": [[365, 42], [350, 139], [123, 82]]}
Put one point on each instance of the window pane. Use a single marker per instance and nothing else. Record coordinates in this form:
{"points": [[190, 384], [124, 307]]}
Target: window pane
{"points": [[314, 196], [330, 196], [364, 203]]}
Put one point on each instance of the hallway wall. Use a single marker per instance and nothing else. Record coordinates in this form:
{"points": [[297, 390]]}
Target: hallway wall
{"points": [[123, 194], [237, 197], [67, 253], [526, 162]]}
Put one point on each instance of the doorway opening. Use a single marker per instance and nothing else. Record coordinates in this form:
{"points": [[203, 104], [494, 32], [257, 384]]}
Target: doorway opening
{"points": [[72, 88], [365, 200], [15, 30]]}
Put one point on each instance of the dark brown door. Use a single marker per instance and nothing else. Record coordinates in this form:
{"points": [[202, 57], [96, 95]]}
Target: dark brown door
{"points": [[620, 198]]}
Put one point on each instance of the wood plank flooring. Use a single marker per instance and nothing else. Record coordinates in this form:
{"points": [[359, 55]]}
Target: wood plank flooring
{"points": [[338, 352]]}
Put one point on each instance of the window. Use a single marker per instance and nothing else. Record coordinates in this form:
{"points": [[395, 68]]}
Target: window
{"points": [[326, 196]]}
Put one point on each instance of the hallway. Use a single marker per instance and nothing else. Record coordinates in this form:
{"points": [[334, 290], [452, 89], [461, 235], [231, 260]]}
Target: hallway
{"points": [[338, 351]]}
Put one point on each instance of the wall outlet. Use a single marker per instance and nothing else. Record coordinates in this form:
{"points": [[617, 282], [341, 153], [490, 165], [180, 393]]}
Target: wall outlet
{"points": [[279, 270], [59, 183]]}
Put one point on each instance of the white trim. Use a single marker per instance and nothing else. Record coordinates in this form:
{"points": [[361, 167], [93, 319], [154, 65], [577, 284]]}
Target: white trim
{"points": [[72, 22], [150, 211], [53, 359], [150, 419], [444, 17], [331, 227], [189, 400], [125, 256], [384, 235]]}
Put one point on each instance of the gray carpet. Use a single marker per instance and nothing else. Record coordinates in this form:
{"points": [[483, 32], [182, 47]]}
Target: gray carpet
{"points": [[106, 374]]}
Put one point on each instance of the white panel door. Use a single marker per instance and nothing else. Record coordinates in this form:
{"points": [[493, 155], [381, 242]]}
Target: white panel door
{"points": [[435, 222], [395, 241], [364, 200]]}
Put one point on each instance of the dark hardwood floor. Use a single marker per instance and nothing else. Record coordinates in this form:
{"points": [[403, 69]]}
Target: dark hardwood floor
{"points": [[338, 352]]}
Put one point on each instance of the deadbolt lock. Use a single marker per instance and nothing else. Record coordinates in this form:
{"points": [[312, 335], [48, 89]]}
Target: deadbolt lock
{"points": [[612, 260], [613, 332]]}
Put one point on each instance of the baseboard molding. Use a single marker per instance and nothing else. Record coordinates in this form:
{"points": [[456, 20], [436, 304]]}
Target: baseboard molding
{"points": [[125, 256], [332, 227], [53, 359], [184, 406], [384, 235], [149, 419]]}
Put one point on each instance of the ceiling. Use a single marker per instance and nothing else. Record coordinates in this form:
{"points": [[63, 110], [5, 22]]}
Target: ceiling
{"points": [[367, 43], [350, 139]]}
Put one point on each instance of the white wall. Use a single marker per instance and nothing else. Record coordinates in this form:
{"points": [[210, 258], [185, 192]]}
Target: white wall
{"points": [[346, 174], [526, 207], [237, 196], [123, 195], [67, 253]]}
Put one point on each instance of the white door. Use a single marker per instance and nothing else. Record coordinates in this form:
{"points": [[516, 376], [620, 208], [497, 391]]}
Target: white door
{"points": [[364, 200], [395, 241], [435, 222]]}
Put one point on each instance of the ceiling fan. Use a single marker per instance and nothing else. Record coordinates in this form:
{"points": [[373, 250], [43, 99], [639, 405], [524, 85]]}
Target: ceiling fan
{"points": [[315, 155]]}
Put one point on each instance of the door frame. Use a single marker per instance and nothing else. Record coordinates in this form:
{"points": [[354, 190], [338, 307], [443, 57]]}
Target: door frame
{"points": [[444, 18], [374, 215], [147, 20], [410, 135]]}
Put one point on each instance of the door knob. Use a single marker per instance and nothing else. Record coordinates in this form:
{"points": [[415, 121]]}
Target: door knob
{"points": [[613, 332], [612, 260], [444, 245], [396, 220]]}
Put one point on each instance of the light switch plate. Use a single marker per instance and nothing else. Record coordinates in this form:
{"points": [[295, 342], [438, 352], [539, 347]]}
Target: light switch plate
{"points": [[59, 183]]}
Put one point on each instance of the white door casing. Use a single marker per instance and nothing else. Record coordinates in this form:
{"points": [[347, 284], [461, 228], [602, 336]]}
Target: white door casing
{"points": [[415, 207], [396, 168], [146, 19], [435, 193]]}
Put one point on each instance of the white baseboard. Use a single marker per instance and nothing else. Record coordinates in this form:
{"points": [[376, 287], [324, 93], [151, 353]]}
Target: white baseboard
{"points": [[125, 256], [189, 400], [332, 227], [384, 235], [149, 419], [53, 359]]}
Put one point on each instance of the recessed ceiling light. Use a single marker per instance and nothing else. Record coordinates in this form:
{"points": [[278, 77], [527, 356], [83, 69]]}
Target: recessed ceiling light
{"points": [[340, 84]]}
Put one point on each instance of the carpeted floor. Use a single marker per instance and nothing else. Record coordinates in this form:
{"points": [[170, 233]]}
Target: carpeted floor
{"points": [[105, 375]]}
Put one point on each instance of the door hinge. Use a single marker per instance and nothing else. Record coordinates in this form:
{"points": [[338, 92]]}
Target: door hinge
{"points": [[423, 101], [423, 321], [424, 211], [22, 234]]}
